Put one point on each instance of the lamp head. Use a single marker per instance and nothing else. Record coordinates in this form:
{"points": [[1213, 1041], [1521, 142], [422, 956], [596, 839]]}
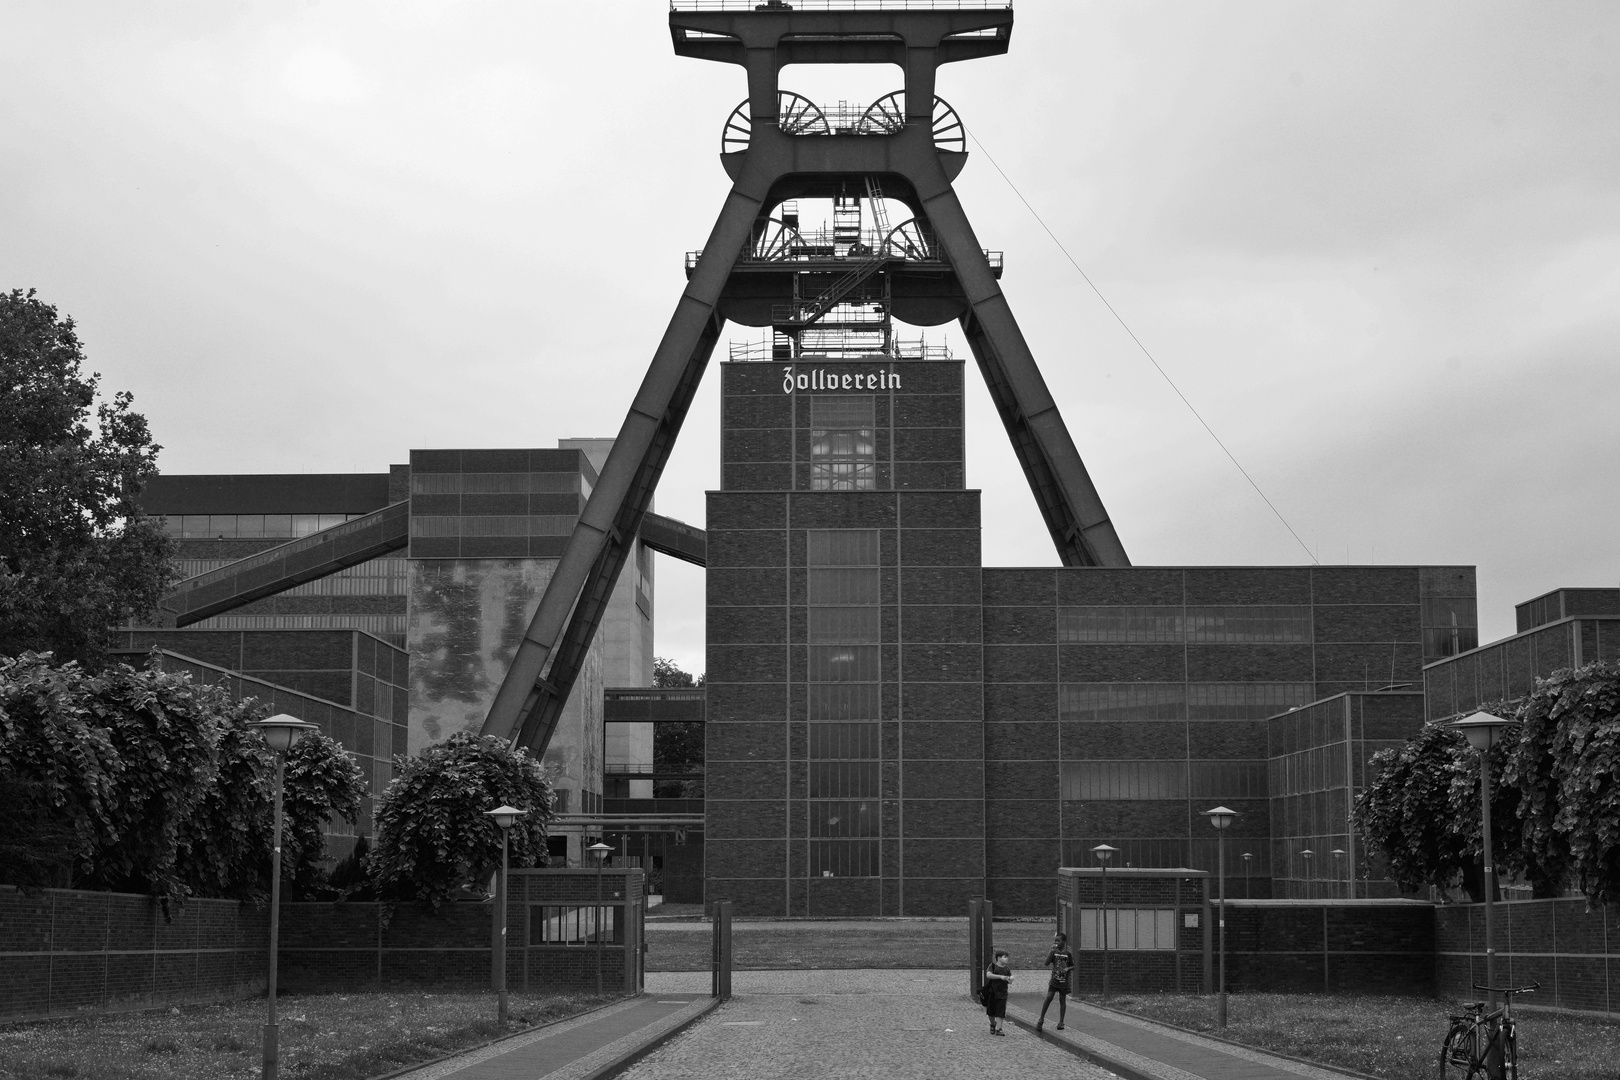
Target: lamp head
{"points": [[1482, 729], [1307, 853], [1338, 853], [505, 816], [1221, 816], [600, 850], [1247, 856], [1103, 853], [282, 731]]}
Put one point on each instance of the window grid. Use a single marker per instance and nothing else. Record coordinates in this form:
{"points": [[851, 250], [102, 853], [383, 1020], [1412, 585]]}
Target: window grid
{"points": [[1128, 929], [567, 924], [843, 443], [842, 677], [1206, 624]]}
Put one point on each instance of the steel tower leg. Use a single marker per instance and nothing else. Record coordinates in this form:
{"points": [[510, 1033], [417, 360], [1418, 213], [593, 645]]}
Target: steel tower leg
{"points": [[533, 694], [1063, 490]]}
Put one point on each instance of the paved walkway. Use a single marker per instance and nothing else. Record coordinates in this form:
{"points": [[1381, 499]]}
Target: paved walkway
{"points": [[572, 1049], [863, 1025], [807, 1025], [1140, 1049]]}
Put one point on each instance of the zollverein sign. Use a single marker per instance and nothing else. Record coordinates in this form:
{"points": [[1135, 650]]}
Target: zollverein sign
{"points": [[821, 380]]}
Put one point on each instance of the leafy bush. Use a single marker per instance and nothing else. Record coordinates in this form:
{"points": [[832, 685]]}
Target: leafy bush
{"points": [[156, 783], [1555, 795], [432, 836]]}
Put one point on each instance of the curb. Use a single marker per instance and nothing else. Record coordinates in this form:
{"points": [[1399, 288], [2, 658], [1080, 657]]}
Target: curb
{"points": [[1113, 1065], [1242, 1046], [636, 1053], [406, 1069]]}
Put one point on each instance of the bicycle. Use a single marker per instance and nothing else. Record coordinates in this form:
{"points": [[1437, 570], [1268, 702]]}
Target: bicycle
{"points": [[1484, 1045]]}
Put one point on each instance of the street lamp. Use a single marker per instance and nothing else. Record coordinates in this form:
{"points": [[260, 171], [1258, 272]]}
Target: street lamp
{"points": [[1338, 867], [1247, 859], [1482, 730], [281, 732], [1103, 852], [505, 816], [1308, 855], [1221, 817], [601, 851]]}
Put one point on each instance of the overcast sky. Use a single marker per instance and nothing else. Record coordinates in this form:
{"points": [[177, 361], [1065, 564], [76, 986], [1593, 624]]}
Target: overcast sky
{"points": [[1377, 245]]}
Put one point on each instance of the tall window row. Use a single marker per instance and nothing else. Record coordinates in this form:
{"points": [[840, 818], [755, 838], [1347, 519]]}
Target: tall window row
{"points": [[1226, 624], [843, 683]]}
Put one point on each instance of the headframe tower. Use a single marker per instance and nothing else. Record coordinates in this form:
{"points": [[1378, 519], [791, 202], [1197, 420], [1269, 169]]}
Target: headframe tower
{"points": [[828, 295]]}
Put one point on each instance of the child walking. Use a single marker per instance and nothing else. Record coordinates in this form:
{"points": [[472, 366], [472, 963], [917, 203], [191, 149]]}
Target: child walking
{"points": [[1061, 961], [997, 978]]}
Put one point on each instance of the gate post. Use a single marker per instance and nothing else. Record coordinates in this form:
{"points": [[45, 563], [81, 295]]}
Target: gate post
{"points": [[974, 949], [720, 960]]}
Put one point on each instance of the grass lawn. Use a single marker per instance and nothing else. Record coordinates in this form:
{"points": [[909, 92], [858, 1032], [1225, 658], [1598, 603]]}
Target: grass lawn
{"points": [[802, 944], [323, 1036], [1397, 1037]]}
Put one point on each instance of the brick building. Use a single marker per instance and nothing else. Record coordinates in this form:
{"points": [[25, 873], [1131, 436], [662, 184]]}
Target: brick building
{"points": [[894, 728]]}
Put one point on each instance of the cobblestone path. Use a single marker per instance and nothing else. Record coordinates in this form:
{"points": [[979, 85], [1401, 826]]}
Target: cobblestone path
{"points": [[856, 1024]]}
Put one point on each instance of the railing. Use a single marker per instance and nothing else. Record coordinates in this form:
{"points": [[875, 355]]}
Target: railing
{"points": [[836, 345], [836, 5], [281, 551], [632, 769]]}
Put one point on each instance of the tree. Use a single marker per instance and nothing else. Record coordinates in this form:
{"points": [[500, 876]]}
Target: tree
{"points": [[1565, 765], [676, 743], [432, 836], [155, 783], [77, 555]]}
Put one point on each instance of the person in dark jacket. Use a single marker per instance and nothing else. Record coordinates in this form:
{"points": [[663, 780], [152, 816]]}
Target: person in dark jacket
{"points": [[997, 979]]}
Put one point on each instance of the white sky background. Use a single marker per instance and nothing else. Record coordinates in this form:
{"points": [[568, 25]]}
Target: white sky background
{"points": [[1376, 244]]}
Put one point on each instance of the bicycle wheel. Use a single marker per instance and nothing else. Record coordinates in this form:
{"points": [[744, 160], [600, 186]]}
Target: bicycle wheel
{"points": [[1510, 1053], [1457, 1055]]}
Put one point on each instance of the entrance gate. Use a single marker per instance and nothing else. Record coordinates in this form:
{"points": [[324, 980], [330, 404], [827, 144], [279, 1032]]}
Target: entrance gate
{"points": [[720, 952]]}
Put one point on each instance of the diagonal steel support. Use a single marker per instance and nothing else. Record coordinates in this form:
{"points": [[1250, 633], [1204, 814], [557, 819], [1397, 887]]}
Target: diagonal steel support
{"points": [[1063, 490], [555, 645]]}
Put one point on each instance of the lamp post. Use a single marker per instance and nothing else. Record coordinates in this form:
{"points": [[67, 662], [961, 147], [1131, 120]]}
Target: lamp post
{"points": [[281, 732], [1103, 852], [1221, 817], [1308, 855], [1482, 730], [1247, 859], [505, 816], [1338, 868], [600, 850]]}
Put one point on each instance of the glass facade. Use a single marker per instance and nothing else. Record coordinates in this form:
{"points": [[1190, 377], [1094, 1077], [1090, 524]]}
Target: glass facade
{"points": [[1116, 701], [250, 526], [843, 443], [1217, 624], [842, 674]]}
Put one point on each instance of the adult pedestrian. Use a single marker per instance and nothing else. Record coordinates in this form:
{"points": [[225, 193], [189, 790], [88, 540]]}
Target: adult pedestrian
{"points": [[1061, 961]]}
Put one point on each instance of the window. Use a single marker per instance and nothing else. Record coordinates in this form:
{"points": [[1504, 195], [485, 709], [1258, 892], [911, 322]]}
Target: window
{"points": [[559, 924], [1128, 928], [1217, 624], [843, 443], [1091, 781], [842, 677]]}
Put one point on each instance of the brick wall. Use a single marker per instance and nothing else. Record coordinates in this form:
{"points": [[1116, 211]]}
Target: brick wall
{"points": [[69, 951], [1573, 951], [358, 945], [1310, 946], [66, 951], [1183, 968]]}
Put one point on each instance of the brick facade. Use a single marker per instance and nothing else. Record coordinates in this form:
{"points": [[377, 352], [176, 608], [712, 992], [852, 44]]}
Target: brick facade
{"points": [[1022, 716]]}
